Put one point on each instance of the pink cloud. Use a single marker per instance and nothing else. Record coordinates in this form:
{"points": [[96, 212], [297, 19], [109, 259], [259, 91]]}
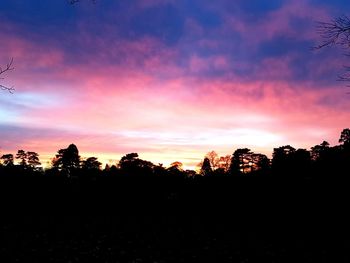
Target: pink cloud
{"points": [[145, 102], [275, 68], [169, 120], [29, 53], [200, 64], [279, 23]]}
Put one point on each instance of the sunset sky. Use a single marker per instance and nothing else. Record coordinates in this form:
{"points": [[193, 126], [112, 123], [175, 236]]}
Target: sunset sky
{"points": [[169, 79]]}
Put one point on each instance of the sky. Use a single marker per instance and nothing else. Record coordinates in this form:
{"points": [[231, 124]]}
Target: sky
{"points": [[169, 79]]}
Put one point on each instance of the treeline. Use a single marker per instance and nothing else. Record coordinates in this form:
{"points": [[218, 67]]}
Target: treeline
{"points": [[321, 160]]}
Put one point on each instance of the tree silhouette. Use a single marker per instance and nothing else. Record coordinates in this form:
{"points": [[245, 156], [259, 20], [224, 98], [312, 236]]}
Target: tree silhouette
{"points": [[239, 161], [288, 161], [130, 164], [8, 67], [224, 162], [176, 165], [213, 159], [221, 163], [22, 155], [345, 137], [322, 159], [175, 169], [206, 167], [282, 158], [67, 159], [128, 160], [344, 151], [245, 161], [318, 152], [160, 170], [91, 163], [259, 162], [33, 160], [7, 159]]}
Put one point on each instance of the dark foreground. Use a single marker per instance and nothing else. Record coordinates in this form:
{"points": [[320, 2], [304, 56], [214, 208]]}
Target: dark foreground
{"points": [[162, 239], [174, 220]]}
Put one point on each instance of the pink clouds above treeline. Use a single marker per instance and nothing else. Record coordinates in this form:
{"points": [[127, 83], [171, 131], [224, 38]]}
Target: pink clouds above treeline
{"points": [[170, 80]]}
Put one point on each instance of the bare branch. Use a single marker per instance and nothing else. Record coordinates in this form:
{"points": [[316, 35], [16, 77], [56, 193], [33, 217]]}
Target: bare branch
{"points": [[72, 2], [336, 32], [346, 75], [9, 89], [8, 67], [2, 71]]}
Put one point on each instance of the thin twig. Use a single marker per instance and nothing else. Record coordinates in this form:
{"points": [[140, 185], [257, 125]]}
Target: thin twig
{"points": [[336, 32], [9, 89], [2, 71], [8, 67], [72, 2]]}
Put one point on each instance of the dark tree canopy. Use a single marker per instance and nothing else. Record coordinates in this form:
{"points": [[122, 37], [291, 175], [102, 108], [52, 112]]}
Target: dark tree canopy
{"points": [[345, 137], [91, 163], [213, 159], [132, 165], [322, 161], [282, 157], [67, 159], [224, 162], [206, 167], [7, 159], [129, 161], [238, 161], [28, 159], [318, 152], [22, 155], [33, 160], [259, 162], [244, 161], [301, 159], [176, 166]]}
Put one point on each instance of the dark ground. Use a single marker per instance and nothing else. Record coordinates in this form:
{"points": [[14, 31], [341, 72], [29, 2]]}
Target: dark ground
{"points": [[162, 239], [221, 220]]}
